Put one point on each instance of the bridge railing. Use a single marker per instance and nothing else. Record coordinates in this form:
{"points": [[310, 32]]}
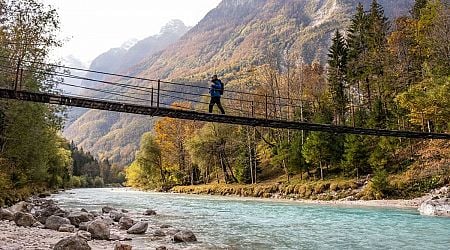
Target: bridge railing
{"points": [[145, 91]]}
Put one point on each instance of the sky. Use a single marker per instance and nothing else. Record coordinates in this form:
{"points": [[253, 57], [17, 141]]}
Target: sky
{"points": [[91, 27]]}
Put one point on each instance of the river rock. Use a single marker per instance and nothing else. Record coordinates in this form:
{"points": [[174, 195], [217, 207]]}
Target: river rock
{"points": [[122, 246], [149, 212], [138, 228], [165, 226], [84, 226], [436, 207], [99, 229], [84, 210], [54, 222], [115, 215], [24, 219], [184, 236], [84, 235], [23, 206], [78, 217], [126, 222], [72, 243], [95, 213], [44, 194], [5, 214], [48, 210], [161, 248], [107, 220], [124, 211], [67, 228], [159, 233], [38, 225], [107, 209]]}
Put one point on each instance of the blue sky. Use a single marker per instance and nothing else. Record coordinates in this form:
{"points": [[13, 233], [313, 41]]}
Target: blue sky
{"points": [[91, 27]]}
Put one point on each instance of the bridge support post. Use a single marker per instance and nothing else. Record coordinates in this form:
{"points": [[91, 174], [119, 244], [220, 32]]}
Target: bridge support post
{"points": [[159, 89], [16, 82], [266, 108], [151, 98]]}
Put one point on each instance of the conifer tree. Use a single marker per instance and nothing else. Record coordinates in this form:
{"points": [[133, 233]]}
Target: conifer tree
{"points": [[337, 76]]}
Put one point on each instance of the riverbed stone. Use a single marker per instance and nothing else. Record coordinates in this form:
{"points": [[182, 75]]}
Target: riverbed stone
{"points": [[24, 219], [115, 215], [99, 229], [124, 210], [84, 225], [5, 214], [107, 209], [159, 233], [122, 246], [67, 228], [72, 243], [38, 225], [23, 206], [54, 222], [78, 217], [149, 212], [138, 228], [126, 222], [48, 210], [84, 235], [436, 207], [161, 248], [184, 236]]}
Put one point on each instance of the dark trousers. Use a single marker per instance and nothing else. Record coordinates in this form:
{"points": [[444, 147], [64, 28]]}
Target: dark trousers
{"points": [[215, 100]]}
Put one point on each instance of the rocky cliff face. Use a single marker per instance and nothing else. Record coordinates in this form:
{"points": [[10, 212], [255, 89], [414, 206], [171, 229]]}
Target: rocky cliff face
{"points": [[235, 33]]}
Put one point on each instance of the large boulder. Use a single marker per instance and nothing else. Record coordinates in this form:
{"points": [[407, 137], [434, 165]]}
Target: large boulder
{"points": [[436, 207], [126, 222], [47, 211], [23, 206], [138, 228], [115, 215], [78, 217], [72, 243], [99, 230], [24, 219], [5, 214], [54, 222], [184, 236]]}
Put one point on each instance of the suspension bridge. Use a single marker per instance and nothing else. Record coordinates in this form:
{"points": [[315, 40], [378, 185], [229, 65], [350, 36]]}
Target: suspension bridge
{"points": [[156, 98]]}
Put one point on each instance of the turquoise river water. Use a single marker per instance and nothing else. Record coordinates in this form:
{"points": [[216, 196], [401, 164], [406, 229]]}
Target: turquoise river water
{"points": [[235, 223]]}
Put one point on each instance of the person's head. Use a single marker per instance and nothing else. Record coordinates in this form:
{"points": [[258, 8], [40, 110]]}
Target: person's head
{"points": [[214, 77]]}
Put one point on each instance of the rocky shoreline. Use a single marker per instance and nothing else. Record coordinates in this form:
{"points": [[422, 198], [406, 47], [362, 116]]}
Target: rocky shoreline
{"points": [[40, 223]]}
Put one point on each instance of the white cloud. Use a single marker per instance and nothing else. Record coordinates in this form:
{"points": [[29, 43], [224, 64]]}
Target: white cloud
{"points": [[94, 26]]}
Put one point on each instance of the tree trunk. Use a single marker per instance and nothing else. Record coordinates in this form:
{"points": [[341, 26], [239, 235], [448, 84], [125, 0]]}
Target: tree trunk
{"points": [[321, 170]]}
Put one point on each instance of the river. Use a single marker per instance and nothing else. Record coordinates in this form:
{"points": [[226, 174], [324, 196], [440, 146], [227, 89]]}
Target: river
{"points": [[235, 223]]}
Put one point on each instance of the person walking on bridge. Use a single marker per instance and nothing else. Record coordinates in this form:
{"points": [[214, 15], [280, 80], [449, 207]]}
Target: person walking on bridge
{"points": [[216, 90]]}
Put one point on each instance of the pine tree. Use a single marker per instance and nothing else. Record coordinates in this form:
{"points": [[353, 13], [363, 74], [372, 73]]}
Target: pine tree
{"points": [[337, 76], [357, 53], [417, 8]]}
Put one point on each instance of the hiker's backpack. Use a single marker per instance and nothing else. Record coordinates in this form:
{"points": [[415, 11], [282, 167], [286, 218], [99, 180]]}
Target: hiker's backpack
{"points": [[221, 87]]}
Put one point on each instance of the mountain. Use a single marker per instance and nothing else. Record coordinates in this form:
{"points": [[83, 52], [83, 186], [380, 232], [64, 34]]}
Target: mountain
{"points": [[241, 32], [236, 33], [106, 133]]}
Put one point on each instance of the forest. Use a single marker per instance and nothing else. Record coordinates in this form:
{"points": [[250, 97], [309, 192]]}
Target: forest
{"points": [[386, 74], [34, 157]]}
